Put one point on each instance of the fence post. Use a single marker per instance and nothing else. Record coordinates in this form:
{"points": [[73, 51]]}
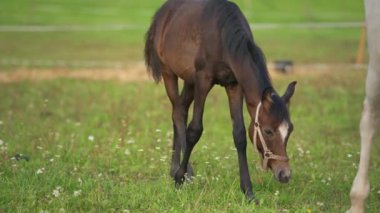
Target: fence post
{"points": [[362, 42]]}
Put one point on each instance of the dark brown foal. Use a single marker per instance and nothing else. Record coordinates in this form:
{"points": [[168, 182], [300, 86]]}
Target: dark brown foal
{"points": [[206, 43]]}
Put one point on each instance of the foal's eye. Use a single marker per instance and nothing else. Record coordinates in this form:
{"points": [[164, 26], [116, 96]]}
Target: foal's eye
{"points": [[268, 132]]}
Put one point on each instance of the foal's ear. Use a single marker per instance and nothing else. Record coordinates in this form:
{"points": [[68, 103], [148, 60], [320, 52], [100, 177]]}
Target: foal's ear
{"points": [[267, 98], [289, 92]]}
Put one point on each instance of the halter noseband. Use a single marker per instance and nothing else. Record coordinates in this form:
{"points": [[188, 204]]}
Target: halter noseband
{"points": [[267, 153]]}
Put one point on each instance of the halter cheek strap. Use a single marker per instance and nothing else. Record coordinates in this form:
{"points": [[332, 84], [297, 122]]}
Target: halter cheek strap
{"points": [[267, 153]]}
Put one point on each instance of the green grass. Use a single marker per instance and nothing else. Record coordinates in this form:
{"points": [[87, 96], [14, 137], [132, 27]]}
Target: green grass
{"points": [[139, 12], [300, 45], [126, 166]]}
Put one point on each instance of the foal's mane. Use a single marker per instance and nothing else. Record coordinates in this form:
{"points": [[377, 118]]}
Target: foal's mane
{"points": [[239, 46], [237, 39]]}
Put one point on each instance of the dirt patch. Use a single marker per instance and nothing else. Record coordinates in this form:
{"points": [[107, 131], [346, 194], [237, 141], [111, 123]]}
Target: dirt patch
{"points": [[134, 73], [138, 72]]}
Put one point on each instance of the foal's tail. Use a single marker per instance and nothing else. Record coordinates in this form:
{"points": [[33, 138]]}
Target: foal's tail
{"points": [[152, 61]]}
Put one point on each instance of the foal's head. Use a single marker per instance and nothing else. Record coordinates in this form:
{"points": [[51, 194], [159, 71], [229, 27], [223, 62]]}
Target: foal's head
{"points": [[271, 129]]}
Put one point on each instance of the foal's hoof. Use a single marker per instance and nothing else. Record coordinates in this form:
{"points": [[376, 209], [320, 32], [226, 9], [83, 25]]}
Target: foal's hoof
{"points": [[179, 177], [189, 173], [252, 199]]}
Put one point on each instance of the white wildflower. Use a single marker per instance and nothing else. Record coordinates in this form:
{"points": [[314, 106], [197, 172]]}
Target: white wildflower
{"points": [[51, 160], [40, 171], [127, 152], [378, 192], [130, 141], [140, 150], [320, 204], [158, 130], [77, 193], [349, 155], [57, 191], [1, 123], [91, 138], [157, 148], [1, 142], [126, 211], [163, 158], [277, 193], [39, 147], [301, 152]]}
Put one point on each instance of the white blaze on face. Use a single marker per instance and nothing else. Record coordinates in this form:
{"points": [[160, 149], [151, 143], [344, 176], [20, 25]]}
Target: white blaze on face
{"points": [[283, 129]]}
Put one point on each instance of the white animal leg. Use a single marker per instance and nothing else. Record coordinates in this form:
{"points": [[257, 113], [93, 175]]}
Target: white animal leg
{"points": [[371, 113], [360, 187]]}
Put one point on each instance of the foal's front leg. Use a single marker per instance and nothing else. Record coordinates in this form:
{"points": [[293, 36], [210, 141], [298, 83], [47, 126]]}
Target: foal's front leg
{"points": [[235, 98], [203, 84]]}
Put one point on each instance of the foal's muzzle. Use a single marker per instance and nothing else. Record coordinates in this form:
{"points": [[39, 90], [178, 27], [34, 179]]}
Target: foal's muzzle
{"points": [[283, 175]]}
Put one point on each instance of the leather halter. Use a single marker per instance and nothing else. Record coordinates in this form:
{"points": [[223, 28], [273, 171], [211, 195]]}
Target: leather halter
{"points": [[267, 153]]}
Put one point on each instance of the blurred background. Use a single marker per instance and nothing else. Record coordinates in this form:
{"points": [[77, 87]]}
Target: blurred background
{"points": [[110, 34]]}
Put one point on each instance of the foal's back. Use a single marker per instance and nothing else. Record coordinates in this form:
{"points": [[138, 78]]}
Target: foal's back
{"points": [[187, 35]]}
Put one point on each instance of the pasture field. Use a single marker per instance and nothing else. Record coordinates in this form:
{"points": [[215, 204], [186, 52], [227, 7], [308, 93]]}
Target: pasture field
{"points": [[104, 146], [125, 46]]}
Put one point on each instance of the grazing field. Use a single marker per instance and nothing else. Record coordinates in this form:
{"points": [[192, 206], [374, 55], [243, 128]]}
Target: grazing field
{"points": [[108, 45], [105, 146]]}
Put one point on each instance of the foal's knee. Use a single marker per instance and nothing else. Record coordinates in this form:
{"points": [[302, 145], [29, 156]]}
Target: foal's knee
{"points": [[239, 134], [194, 133], [178, 114]]}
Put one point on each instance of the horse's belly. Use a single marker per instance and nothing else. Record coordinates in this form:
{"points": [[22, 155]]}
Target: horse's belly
{"points": [[180, 58]]}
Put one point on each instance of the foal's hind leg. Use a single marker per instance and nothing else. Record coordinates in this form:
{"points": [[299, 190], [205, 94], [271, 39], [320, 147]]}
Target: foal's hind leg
{"points": [[235, 98], [178, 117], [187, 97], [203, 84]]}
